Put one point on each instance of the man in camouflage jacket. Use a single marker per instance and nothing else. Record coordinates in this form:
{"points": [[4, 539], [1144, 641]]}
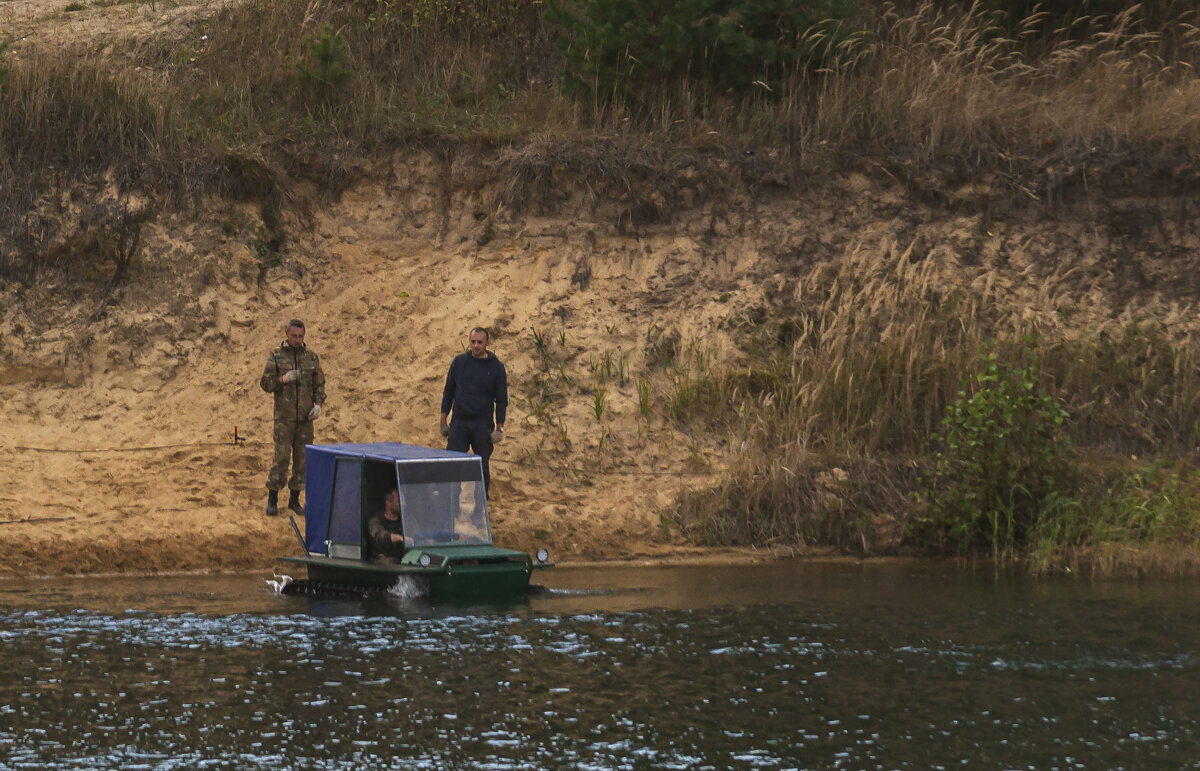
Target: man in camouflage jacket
{"points": [[293, 373]]}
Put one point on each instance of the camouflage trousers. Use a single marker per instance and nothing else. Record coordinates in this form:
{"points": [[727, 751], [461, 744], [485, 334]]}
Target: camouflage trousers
{"points": [[290, 438]]}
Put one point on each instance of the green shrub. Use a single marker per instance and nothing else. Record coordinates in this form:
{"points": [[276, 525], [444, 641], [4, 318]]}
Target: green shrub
{"points": [[1152, 506], [1003, 465], [622, 49]]}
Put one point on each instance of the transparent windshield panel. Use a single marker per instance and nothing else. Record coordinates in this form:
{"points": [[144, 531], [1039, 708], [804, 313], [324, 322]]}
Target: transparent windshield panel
{"points": [[444, 513]]}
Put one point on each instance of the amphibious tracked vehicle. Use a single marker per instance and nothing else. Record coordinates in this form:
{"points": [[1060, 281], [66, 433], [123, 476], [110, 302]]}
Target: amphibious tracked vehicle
{"points": [[448, 551]]}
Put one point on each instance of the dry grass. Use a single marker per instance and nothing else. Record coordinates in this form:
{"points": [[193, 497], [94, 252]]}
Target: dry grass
{"points": [[946, 83], [945, 87], [790, 498], [1141, 561], [859, 376]]}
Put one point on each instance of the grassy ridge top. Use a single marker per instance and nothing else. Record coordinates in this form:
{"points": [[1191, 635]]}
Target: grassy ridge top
{"points": [[322, 85]]}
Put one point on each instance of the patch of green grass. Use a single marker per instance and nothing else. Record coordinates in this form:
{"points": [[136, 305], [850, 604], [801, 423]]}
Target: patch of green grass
{"points": [[645, 391], [599, 402]]}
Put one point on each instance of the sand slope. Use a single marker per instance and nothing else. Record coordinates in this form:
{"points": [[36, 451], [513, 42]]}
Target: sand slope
{"points": [[118, 437], [119, 416]]}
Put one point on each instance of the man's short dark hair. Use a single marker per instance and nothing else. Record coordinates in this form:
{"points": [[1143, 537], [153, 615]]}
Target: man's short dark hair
{"points": [[295, 323], [486, 336]]}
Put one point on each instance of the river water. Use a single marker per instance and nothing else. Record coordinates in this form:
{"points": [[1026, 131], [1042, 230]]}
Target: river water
{"points": [[783, 665]]}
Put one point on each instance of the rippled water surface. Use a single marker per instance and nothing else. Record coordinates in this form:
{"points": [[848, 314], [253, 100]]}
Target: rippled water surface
{"points": [[882, 665]]}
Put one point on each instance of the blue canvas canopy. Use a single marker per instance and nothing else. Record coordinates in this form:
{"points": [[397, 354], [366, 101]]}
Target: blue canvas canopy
{"points": [[344, 480]]}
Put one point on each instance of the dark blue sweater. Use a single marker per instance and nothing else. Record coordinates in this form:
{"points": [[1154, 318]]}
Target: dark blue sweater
{"points": [[474, 385]]}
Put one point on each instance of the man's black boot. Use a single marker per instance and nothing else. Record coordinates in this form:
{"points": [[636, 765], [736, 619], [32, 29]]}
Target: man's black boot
{"points": [[272, 502], [294, 503]]}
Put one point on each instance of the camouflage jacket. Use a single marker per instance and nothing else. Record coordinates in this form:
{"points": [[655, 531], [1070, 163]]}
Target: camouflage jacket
{"points": [[380, 529], [294, 400]]}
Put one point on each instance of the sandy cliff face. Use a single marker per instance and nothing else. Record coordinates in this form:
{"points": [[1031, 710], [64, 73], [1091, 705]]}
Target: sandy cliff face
{"points": [[120, 411]]}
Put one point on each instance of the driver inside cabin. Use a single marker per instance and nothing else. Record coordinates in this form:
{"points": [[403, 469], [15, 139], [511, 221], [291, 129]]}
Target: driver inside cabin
{"points": [[386, 531]]}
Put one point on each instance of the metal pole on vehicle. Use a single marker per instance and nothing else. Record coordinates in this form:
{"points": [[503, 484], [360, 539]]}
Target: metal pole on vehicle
{"points": [[300, 538]]}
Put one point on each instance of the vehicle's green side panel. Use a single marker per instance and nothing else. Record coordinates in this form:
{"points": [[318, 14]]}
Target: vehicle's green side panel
{"points": [[456, 579]]}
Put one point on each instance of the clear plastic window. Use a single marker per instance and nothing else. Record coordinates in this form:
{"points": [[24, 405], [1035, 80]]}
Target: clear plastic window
{"points": [[444, 513]]}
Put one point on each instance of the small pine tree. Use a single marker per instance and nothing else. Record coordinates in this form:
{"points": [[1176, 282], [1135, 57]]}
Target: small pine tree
{"points": [[330, 52], [623, 49], [4, 46]]}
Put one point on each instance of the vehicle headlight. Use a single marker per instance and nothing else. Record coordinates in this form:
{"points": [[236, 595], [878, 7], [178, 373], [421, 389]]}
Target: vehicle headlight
{"points": [[542, 556], [424, 560]]}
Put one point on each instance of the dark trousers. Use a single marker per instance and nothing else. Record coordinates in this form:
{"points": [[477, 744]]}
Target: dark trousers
{"points": [[477, 435]]}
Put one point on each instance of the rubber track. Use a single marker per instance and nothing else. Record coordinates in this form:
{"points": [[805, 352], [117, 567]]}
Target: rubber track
{"points": [[331, 589]]}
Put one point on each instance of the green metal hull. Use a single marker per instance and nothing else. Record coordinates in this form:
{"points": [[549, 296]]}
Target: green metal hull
{"points": [[469, 580]]}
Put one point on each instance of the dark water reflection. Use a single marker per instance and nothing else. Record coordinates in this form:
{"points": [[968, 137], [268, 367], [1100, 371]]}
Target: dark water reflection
{"points": [[776, 666]]}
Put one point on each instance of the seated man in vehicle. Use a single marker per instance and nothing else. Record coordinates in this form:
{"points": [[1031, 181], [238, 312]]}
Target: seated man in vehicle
{"points": [[386, 532]]}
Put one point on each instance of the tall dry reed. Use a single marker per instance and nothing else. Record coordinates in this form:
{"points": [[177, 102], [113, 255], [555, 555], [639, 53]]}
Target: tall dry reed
{"points": [[949, 82], [876, 348], [941, 84]]}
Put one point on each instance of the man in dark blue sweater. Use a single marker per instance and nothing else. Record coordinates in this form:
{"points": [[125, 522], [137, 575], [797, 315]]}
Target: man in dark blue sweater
{"points": [[475, 385]]}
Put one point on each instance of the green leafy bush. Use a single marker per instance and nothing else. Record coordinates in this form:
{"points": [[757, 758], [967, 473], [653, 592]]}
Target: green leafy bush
{"points": [[1003, 466], [623, 48]]}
